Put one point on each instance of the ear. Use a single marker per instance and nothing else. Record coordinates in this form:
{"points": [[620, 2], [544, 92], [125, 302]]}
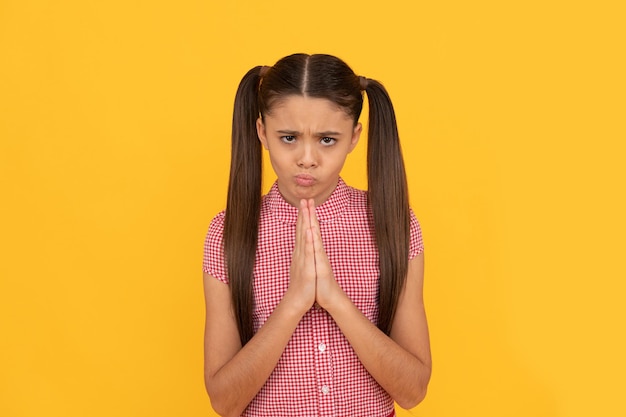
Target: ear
{"points": [[356, 135], [260, 130]]}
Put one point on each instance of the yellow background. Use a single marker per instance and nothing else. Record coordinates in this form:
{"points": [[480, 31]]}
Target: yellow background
{"points": [[114, 127]]}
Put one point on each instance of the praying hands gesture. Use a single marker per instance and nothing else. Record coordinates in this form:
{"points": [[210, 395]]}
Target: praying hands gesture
{"points": [[312, 277]]}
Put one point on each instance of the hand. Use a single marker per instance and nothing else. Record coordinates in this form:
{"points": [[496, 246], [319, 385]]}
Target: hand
{"points": [[327, 291], [302, 272]]}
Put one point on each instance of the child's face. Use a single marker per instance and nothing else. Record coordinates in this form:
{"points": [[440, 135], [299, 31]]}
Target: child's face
{"points": [[308, 140]]}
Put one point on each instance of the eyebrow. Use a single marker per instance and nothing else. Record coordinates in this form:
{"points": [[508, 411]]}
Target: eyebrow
{"points": [[296, 133]]}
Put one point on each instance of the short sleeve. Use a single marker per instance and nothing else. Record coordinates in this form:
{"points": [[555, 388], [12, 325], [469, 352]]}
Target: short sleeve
{"points": [[213, 260], [416, 244]]}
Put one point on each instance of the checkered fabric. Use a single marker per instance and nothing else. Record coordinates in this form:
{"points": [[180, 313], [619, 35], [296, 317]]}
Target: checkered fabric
{"points": [[318, 373]]}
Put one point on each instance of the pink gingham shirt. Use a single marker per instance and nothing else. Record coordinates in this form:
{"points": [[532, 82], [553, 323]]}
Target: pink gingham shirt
{"points": [[318, 373]]}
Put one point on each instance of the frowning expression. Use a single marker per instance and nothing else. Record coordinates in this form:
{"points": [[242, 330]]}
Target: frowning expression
{"points": [[308, 140]]}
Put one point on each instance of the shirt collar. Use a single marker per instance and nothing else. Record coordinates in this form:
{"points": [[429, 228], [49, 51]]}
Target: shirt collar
{"points": [[334, 205]]}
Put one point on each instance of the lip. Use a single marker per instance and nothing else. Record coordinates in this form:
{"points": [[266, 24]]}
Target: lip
{"points": [[305, 180]]}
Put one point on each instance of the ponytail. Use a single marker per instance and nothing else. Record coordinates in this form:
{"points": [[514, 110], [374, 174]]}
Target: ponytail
{"points": [[243, 205], [388, 199]]}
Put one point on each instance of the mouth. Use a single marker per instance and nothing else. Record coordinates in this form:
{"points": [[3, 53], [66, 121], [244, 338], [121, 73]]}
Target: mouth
{"points": [[305, 180]]}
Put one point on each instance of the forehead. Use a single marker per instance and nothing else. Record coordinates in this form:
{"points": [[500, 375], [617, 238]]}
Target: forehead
{"points": [[297, 107]]}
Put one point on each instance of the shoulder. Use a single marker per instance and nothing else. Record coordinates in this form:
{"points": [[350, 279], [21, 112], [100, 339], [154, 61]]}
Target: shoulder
{"points": [[358, 198], [357, 210], [416, 242], [359, 204], [215, 234], [357, 194], [213, 260], [217, 224]]}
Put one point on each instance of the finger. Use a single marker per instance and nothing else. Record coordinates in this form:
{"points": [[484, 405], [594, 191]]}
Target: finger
{"points": [[313, 214], [317, 240], [310, 256], [315, 229], [309, 232], [322, 264], [315, 225], [306, 210], [302, 223], [310, 245], [317, 237]]}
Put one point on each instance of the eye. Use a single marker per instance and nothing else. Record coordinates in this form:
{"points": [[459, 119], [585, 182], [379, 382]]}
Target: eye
{"points": [[288, 138], [326, 141]]}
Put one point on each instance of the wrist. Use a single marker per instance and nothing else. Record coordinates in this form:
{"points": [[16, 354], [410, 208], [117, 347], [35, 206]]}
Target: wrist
{"points": [[294, 306], [337, 304]]}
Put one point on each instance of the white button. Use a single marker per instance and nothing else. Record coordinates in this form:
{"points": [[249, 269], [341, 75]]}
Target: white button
{"points": [[321, 347], [325, 390]]}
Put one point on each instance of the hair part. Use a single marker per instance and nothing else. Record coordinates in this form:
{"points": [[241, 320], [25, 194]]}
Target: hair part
{"points": [[327, 77]]}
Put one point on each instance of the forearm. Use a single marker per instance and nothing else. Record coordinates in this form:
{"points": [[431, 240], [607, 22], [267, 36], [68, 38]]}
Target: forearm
{"points": [[402, 374], [236, 383]]}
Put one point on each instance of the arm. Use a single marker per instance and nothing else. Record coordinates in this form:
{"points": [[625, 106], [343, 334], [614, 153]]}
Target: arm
{"points": [[234, 374], [401, 364]]}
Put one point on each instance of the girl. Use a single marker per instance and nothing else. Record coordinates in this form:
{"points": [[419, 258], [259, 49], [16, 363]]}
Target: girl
{"points": [[314, 291]]}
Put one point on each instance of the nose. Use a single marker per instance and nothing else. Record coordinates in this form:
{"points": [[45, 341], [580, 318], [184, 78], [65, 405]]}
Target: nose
{"points": [[307, 157]]}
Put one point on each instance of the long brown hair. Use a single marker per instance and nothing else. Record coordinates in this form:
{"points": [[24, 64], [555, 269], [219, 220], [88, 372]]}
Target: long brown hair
{"points": [[328, 77]]}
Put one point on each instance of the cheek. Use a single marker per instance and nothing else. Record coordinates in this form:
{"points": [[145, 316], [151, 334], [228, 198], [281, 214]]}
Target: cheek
{"points": [[278, 160], [339, 155]]}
